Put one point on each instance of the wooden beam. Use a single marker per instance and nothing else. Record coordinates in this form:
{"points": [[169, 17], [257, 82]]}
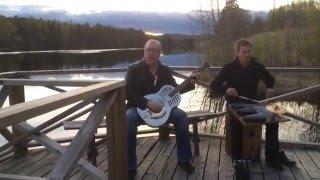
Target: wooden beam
{"points": [[69, 125], [180, 75], [16, 96], [4, 93], [49, 82], [46, 124], [70, 118], [67, 162], [283, 143], [56, 148], [19, 177], [55, 88], [66, 71], [16, 113], [179, 68], [300, 92], [117, 139], [8, 74], [7, 134], [310, 122]]}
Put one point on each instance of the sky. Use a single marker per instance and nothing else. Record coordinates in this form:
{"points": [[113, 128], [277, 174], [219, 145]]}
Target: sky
{"points": [[179, 6]]}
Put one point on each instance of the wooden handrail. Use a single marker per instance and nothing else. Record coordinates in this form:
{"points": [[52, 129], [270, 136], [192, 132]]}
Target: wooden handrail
{"points": [[102, 70], [291, 94], [48, 82], [70, 158], [13, 114], [45, 124], [4, 93]]}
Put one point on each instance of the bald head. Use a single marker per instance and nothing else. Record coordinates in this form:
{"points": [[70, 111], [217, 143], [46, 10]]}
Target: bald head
{"points": [[153, 43], [152, 51]]}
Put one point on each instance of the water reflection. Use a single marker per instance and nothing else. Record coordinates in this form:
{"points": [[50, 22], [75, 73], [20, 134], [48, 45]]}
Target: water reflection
{"points": [[86, 59]]}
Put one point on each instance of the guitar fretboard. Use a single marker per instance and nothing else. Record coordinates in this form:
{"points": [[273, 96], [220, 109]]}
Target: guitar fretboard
{"points": [[176, 90]]}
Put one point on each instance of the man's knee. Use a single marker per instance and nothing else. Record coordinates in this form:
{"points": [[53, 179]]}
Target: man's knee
{"points": [[179, 120], [132, 117], [179, 114]]}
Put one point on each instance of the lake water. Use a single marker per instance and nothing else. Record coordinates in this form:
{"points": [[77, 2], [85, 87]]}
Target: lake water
{"points": [[193, 100]]}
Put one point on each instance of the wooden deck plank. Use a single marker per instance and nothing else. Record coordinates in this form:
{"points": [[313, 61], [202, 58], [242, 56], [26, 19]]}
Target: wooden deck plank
{"points": [[200, 161], [212, 164], [141, 146], [47, 168], [170, 166], [12, 163], [298, 171], [40, 164], [156, 167], [158, 160], [179, 172], [286, 174], [104, 165], [226, 167], [100, 158], [268, 172], [315, 156], [142, 154], [308, 164], [30, 160], [102, 162], [255, 170], [18, 177], [146, 163]]}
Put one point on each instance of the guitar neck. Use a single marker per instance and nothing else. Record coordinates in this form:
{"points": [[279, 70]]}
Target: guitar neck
{"points": [[176, 90], [179, 87]]}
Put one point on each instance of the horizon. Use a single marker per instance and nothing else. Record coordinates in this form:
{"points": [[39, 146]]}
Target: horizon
{"points": [[81, 7]]}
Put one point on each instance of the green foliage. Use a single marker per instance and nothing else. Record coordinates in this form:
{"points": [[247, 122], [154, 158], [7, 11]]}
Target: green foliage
{"points": [[37, 34], [289, 36]]}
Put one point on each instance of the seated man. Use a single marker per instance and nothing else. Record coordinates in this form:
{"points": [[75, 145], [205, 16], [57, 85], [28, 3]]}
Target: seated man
{"points": [[240, 77], [147, 77]]}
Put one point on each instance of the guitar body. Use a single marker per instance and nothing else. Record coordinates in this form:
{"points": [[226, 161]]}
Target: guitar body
{"points": [[162, 96]]}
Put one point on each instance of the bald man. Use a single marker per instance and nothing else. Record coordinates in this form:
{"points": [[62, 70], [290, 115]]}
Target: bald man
{"points": [[147, 77]]}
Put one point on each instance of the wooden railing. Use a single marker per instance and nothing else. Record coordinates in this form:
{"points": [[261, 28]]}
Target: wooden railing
{"points": [[101, 100]]}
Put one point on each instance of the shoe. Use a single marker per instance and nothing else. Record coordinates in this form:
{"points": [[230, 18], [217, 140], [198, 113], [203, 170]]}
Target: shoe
{"points": [[241, 171], [185, 165], [285, 160], [275, 163], [132, 174]]}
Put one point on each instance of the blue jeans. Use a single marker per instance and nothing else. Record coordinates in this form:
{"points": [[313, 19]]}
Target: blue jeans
{"points": [[177, 117]]}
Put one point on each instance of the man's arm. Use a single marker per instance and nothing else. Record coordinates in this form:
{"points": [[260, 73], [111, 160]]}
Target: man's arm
{"points": [[131, 93], [219, 84], [266, 77]]}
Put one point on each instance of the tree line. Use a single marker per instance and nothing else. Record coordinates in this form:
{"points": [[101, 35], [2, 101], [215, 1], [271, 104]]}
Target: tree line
{"points": [[286, 36], [19, 33]]}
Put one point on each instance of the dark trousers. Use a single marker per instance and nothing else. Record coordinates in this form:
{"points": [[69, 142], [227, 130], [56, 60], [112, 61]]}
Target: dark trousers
{"points": [[177, 117], [271, 145]]}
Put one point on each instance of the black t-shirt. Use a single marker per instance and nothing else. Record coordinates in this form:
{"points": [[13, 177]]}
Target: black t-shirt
{"points": [[243, 79]]}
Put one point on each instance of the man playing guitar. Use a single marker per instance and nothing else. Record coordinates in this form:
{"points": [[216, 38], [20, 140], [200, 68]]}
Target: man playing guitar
{"points": [[146, 77]]}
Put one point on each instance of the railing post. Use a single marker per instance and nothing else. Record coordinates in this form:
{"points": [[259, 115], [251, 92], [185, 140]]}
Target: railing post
{"points": [[117, 139], [93, 151], [17, 96]]}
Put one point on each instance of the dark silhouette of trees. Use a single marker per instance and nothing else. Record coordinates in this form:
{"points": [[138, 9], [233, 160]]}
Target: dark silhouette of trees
{"points": [[18, 33]]}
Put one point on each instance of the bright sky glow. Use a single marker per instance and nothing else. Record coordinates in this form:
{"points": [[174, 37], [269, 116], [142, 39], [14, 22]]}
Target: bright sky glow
{"points": [[180, 6]]}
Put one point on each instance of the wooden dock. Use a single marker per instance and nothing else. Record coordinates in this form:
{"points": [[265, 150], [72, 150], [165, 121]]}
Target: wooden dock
{"points": [[87, 158], [158, 160]]}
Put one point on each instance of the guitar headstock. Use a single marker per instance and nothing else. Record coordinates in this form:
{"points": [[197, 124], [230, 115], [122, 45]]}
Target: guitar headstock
{"points": [[204, 66]]}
